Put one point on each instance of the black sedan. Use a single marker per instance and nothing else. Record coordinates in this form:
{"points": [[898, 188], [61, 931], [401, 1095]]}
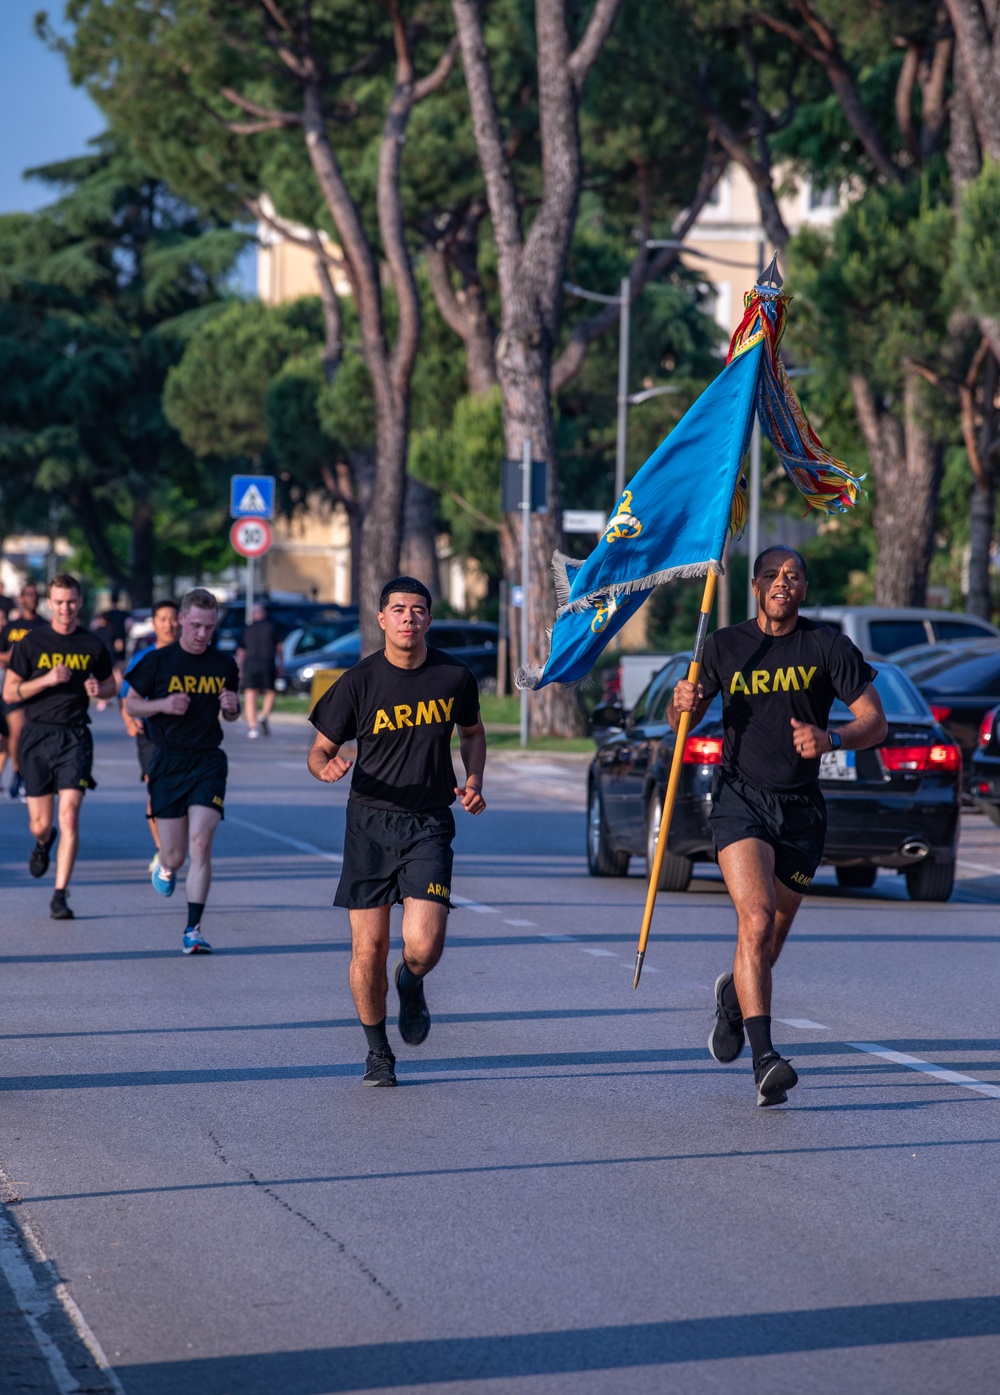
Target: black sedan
{"points": [[961, 683], [473, 641], [896, 806], [984, 773]]}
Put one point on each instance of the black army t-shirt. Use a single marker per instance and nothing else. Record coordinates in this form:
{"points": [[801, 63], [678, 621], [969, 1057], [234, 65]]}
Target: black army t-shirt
{"points": [[402, 720], [765, 681], [17, 629], [162, 672], [260, 640], [42, 650]]}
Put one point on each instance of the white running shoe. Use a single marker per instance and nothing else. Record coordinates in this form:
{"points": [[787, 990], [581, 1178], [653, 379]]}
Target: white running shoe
{"points": [[253, 734]]}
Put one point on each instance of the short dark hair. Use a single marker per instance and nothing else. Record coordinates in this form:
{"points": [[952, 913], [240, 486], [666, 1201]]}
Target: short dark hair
{"points": [[62, 581], [199, 597], [165, 605], [778, 547], [407, 586]]}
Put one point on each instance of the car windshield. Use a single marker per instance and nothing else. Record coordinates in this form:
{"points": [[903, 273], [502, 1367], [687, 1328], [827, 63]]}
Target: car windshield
{"points": [[899, 697], [975, 677]]}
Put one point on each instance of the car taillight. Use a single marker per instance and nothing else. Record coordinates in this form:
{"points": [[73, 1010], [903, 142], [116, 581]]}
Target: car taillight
{"points": [[941, 714], [986, 727], [703, 750], [909, 759]]}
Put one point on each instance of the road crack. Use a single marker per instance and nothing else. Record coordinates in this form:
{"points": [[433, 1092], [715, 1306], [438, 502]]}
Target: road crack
{"points": [[342, 1249]]}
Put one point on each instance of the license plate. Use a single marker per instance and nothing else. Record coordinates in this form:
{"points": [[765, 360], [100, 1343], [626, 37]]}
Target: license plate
{"points": [[838, 765]]}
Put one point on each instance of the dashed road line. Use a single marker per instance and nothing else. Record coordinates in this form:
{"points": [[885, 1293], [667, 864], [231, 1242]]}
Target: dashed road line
{"points": [[978, 867], [950, 1077], [477, 906], [803, 1022], [296, 843], [522, 924], [600, 953], [560, 939]]}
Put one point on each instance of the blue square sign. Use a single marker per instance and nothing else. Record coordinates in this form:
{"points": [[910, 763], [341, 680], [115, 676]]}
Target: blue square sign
{"points": [[251, 496]]}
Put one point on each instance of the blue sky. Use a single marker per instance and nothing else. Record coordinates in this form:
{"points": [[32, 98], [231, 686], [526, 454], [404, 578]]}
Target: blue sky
{"points": [[42, 116]]}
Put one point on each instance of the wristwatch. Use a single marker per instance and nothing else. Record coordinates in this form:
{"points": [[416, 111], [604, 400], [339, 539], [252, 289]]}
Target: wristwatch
{"points": [[835, 741]]}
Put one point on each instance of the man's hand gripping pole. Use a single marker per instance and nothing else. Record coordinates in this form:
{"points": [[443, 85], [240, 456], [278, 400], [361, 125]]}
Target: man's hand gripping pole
{"points": [[676, 766]]}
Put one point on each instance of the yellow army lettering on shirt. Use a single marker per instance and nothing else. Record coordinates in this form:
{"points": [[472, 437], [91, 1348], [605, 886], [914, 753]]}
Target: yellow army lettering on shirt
{"points": [[190, 684], [78, 661], [754, 682], [403, 715], [14, 635]]}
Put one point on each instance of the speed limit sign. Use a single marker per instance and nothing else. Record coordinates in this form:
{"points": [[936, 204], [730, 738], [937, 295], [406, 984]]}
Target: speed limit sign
{"points": [[251, 537]]}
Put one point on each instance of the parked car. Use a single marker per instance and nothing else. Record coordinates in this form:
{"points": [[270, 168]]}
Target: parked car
{"points": [[302, 643], [984, 772], [961, 683], [472, 641], [881, 631], [896, 806], [286, 614]]}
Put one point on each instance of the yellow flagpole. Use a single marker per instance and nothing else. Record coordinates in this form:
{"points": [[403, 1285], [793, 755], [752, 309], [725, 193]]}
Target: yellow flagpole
{"points": [[673, 783]]}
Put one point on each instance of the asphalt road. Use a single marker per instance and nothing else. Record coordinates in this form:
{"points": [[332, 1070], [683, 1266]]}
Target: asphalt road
{"points": [[565, 1195]]}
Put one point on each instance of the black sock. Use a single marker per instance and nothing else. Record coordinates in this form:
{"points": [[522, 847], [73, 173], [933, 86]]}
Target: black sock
{"points": [[376, 1037], [59, 894], [195, 909], [409, 982], [759, 1036], [730, 1000]]}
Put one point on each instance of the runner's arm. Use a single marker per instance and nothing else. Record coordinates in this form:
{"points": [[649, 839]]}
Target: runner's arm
{"points": [[106, 687], [17, 689], [175, 705], [867, 729], [324, 763], [688, 697], [472, 747]]}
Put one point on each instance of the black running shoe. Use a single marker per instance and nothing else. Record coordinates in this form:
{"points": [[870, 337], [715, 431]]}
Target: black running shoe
{"points": [[414, 1020], [774, 1077], [380, 1068], [38, 862], [58, 909], [727, 1038]]}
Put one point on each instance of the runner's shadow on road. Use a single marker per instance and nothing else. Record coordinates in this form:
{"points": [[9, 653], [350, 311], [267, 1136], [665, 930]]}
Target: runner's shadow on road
{"points": [[439, 1361]]}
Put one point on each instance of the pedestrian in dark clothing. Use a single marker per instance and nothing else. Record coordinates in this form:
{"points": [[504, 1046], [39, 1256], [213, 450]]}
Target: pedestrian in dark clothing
{"points": [[259, 657]]}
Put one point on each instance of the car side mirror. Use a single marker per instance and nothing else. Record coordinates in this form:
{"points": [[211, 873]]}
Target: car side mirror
{"points": [[607, 717]]}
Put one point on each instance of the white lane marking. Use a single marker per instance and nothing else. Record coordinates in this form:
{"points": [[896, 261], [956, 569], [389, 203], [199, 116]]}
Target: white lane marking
{"points": [[561, 939], [522, 924], [296, 843], [804, 1023], [600, 953], [978, 867], [950, 1077], [36, 1305], [468, 905]]}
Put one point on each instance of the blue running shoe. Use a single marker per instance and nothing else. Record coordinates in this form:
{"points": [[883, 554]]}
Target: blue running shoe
{"points": [[195, 942], [163, 882]]}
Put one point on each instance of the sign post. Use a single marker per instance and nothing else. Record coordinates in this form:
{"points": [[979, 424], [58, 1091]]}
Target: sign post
{"points": [[251, 503], [525, 574]]}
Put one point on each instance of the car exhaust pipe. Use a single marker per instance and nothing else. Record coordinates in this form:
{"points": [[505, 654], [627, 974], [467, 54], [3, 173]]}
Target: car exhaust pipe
{"points": [[915, 847]]}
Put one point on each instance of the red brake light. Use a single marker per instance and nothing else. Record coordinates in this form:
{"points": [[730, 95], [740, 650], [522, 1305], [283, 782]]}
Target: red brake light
{"points": [[986, 727], [703, 750], [941, 714], [910, 759]]}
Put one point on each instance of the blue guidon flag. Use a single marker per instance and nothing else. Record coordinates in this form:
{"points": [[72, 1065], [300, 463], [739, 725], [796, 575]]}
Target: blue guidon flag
{"points": [[673, 519]]}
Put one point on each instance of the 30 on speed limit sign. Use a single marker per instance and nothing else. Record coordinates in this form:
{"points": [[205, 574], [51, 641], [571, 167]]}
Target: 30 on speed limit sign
{"points": [[250, 537]]}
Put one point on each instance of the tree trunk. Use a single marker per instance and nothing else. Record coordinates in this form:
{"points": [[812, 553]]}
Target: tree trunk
{"points": [[141, 587], [418, 554], [382, 529], [906, 462], [982, 508]]}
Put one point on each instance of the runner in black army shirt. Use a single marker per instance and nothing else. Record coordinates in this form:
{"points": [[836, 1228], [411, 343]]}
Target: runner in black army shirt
{"points": [[178, 692], [778, 675], [55, 670], [12, 715], [400, 705]]}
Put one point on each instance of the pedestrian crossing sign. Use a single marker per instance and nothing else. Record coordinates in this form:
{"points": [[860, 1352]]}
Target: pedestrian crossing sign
{"points": [[251, 496]]}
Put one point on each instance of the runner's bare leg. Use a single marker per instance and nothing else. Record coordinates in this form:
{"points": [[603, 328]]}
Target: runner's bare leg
{"points": [[70, 803], [202, 823], [369, 953], [424, 925], [748, 870]]}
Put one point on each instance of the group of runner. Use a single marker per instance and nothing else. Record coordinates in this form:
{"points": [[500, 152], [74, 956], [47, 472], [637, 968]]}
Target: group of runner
{"points": [[400, 706]]}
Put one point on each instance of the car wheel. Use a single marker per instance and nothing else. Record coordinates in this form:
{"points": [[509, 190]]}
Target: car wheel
{"points": [[930, 881], [602, 859], [675, 872], [856, 876]]}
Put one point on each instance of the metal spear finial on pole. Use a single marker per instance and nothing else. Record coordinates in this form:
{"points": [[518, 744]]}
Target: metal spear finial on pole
{"points": [[676, 765]]}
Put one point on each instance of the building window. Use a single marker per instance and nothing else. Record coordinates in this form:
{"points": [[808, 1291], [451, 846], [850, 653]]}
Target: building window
{"points": [[823, 198]]}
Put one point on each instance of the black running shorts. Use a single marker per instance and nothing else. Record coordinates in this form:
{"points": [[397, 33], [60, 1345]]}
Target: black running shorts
{"points": [[794, 824], [259, 675], [55, 758], [389, 855], [144, 749], [177, 781]]}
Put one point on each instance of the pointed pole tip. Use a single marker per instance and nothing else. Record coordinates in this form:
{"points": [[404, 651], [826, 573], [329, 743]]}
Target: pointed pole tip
{"points": [[771, 276], [638, 968]]}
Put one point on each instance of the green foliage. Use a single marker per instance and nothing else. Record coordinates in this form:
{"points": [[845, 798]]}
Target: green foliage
{"points": [[977, 241]]}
